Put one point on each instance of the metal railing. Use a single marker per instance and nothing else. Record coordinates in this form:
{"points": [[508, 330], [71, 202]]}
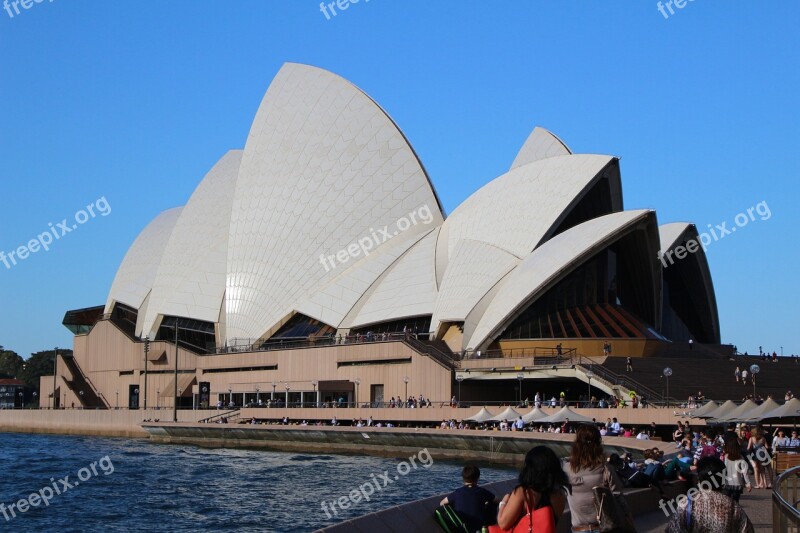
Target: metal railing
{"points": [[785, 502], [230, 415], [516, 353]]}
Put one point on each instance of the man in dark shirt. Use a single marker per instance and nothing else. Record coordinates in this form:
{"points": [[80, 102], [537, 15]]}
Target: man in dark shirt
{"points": [[475, 505]]}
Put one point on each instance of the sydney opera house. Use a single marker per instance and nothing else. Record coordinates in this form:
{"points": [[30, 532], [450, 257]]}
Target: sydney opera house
{"points": [[317, 263]]}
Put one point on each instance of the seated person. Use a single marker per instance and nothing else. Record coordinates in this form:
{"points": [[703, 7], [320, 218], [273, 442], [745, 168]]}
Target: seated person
{"points": [[475, 505]]}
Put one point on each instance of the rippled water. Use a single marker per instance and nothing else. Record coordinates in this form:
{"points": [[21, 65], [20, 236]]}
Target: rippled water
{"points": [[185, 488]]}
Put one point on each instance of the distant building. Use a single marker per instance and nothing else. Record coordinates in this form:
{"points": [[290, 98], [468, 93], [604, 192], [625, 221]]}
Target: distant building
{"points": [[12, 393]]}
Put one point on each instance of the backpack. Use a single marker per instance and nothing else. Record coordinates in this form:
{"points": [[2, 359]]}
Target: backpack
{"points": [[448, 519], [709, 451]]}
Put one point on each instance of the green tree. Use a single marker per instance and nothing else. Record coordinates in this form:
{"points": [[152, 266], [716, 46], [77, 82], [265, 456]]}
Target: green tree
{"points": [[10, 364], [37, 365]]}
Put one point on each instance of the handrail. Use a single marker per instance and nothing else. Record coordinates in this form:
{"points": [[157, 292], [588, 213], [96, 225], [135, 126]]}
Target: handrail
{"points": [[226, 414], [434, 352], [87, 379], [785, 512], [651, 395]]}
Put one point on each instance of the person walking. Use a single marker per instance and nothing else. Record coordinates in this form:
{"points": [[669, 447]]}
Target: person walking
{"points": [[628, 365], [587, 468], [737, 373], [735, 469]]}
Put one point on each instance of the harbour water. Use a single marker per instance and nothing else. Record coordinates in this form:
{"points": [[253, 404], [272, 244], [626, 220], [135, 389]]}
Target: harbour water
{"points": [[72, 484]]}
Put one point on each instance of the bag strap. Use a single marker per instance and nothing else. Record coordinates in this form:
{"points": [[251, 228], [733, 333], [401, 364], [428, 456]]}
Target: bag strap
{"points": [[689, 516]]}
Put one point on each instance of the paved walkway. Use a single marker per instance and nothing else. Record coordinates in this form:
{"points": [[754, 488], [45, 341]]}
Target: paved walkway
{"points": [[757, 505]]}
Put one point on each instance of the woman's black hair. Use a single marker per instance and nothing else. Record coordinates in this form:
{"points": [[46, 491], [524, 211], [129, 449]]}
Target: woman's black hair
{"points": [[709, 470], [543, 471]]}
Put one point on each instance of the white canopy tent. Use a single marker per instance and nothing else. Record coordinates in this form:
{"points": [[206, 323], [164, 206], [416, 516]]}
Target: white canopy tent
{"points": [[481, 416], [509, 414], [704, 410], [563, 415], [736, 414], [534, 415], [723, 410]]}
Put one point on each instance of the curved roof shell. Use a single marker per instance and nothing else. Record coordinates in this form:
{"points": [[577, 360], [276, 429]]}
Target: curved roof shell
{"points": [[324, 166], [190, 281]]}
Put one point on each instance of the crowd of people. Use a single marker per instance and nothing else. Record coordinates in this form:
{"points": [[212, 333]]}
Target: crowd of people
{"points": [[546, 486]]}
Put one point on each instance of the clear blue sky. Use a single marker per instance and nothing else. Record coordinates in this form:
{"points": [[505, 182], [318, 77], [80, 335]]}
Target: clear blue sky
{"points": [[135, 101]]}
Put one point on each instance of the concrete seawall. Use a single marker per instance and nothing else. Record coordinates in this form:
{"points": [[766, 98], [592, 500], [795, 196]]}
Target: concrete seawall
{"points": [[507, 448], [106, 423]]}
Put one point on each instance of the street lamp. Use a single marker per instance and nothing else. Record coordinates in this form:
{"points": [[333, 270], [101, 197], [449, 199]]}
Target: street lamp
{"points": [[21, 400], [204, 398], [117, 393], [146, 351], [230, 396], [273, 391], [459, 378], [158, 397], [35, 395], [81, 398], [286, 386], [357, 381], [667, 373], [754, 369], [316, 399], [520, 377], [55, 374], [589, 376], [406, 379], [258, 395]]}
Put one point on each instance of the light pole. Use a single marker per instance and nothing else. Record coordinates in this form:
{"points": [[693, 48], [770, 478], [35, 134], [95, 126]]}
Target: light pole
{"points": [[286, 386], [81, 398], [459, 379], [520, 377], [230, 396], [55, 374], [357, 381], [175, 390], [258, 395], [272, 398], [35, 395], [316, 398], [406, 379], [136, 392], [21, 400], [667, 373], [754, 369], [158, 396], [589, 375], [180, 392], [117, 400], [146, 351]]}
